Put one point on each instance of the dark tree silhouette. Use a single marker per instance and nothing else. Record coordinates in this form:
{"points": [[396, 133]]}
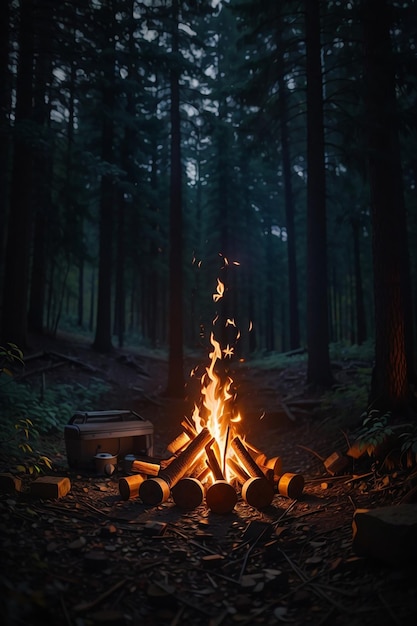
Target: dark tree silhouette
{"points": [[175, 384], [318, 367], [390, 388], [15, 286], [102, 340]]}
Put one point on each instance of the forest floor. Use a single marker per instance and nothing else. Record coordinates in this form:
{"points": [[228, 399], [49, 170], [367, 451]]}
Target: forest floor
{"points": [[92, 558]]}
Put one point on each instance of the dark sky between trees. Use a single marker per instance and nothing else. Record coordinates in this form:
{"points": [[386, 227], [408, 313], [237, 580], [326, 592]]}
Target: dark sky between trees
{"points": [[150, 148]]}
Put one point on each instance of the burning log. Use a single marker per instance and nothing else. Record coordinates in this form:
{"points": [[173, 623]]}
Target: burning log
{"points": [[245, 459], [129, 486], [257, 491], [145, 467], [188, 493], [221, 497], [268, 472], [179, 443], [274, 463], [156, 490], [189, 428]]}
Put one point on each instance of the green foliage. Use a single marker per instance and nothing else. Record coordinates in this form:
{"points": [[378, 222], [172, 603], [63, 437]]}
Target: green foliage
{"points": [[375, 430], [25, 416], [9, 357], [378, 433], [342, 351], [31, 461]]}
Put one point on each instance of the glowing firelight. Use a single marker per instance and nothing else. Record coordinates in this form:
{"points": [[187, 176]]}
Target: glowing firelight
{"points": [[216, 396]]}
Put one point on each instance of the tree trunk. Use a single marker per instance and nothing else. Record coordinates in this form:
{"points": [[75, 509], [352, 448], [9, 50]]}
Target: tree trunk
{"points": [[176, 383], [294, 322], [359, 302], [15, 286], [318, 367], [5, 129], [42, 167], [390, 389], [102, 340]]}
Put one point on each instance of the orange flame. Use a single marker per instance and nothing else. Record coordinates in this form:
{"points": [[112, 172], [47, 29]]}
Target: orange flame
{"points": [[216, 401]]}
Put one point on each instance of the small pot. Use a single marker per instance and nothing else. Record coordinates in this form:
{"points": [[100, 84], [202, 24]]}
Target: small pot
{"points": [[105, 463]]}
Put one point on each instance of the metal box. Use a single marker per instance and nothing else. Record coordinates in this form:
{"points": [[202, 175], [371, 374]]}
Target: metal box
{"points": [[115, 432]]}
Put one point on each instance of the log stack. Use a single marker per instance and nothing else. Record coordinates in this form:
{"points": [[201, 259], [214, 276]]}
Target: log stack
{"points": [[193, 475]]}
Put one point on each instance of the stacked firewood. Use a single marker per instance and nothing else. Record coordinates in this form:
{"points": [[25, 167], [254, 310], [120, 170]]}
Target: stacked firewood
{"points": [[196, 473]]}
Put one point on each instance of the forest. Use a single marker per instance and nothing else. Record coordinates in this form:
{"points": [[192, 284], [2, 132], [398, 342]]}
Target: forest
{"points": [[231, 178], [150, 148]]}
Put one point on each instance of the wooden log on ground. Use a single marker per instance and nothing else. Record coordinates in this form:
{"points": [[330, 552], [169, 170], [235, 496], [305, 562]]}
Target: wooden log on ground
{"points": [[157, 489], [129, 486], [188, 493], [257, 491], [291, 485], [221, 497], [145, 467], [179, 443]]}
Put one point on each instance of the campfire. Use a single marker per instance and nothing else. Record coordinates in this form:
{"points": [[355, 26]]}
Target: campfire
{"points": [[211, 461]]}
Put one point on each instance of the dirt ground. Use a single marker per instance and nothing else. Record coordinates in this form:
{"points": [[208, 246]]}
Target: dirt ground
{"points": [[92, 558]]}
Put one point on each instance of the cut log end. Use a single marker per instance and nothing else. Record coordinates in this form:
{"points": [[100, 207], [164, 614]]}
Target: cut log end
{"points": [[154, 491], [188, 493], [129, 486], [258, 492], [221, 497], [291, 485]]}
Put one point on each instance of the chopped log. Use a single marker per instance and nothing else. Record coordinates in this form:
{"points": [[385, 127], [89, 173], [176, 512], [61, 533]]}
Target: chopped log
{"points": [[268, 472], [50, 487], [291, 485], [189, 428], [245, 459], [129, 486], [179, 443], [336, 463], [256, 491], [9, 483], [274, 463], [221, 497], [188, 493], [387, 534], [157, 489], [146, 468]]}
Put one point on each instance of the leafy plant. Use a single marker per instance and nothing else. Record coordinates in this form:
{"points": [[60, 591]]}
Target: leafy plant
{"points": [[32, 462], [375, 431], [409, 446], [10, 356], [395, 444], [25, 417]]}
